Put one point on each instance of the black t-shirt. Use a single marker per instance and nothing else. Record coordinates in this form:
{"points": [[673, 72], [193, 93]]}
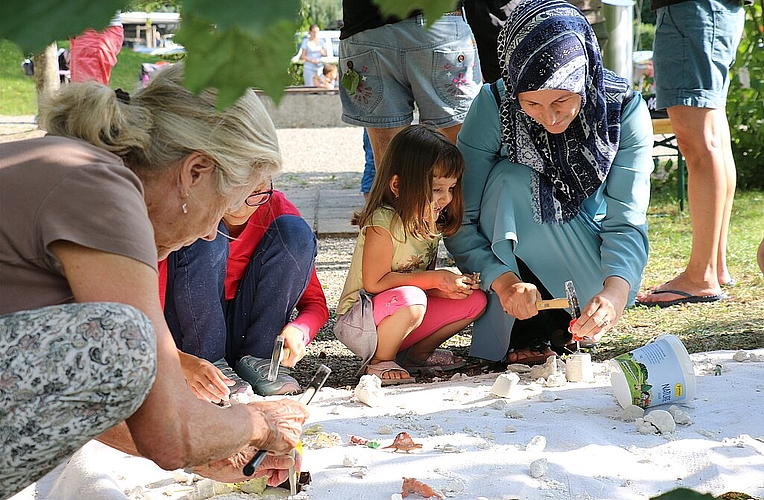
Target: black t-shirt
{"points": [[362, 15]]}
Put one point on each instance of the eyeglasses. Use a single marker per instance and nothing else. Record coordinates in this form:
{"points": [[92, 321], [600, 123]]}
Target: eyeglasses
{"points": [[261, 198]]}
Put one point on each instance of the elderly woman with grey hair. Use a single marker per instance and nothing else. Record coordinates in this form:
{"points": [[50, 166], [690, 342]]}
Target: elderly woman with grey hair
{"points": [[118, 183]]}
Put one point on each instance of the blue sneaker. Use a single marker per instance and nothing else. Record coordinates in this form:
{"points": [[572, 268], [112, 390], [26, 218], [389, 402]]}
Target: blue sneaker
{"points": [[255, 371]]}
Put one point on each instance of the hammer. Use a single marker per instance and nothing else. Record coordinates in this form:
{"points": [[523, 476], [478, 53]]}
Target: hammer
{"points": [[570, 302]]}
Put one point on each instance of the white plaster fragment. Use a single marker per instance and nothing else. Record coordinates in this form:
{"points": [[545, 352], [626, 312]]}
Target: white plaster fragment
{"points": [[548, 396], [632, 413], [539, 468], [555, 380], [545, 370], [662, 420], [681, 417], [537, 444], [369, 390]]}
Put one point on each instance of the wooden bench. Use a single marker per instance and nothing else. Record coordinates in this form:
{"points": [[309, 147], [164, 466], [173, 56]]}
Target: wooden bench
{"points": [[662, 127]]}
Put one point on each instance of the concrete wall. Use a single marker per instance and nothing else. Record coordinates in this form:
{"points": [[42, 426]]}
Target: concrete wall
{"points": [[305, 107]]}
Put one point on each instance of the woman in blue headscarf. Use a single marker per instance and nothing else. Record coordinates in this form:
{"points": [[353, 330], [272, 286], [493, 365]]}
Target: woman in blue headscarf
{"points": [[559, 156]]}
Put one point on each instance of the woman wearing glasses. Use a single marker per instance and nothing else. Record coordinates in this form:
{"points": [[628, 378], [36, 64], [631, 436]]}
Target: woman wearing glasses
{"points": [[227, 300]]}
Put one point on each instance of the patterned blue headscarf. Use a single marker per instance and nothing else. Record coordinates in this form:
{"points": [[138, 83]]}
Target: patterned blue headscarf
{"points": [[549, 45]]}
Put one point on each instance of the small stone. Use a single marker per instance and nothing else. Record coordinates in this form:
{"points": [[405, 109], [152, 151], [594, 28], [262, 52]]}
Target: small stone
{"points": [[536, 445], [360, 472], [509, 429], [539, 468], [369, 390], [645, 427], [740, 356], [555, 380], [631, 413], [313, 429], [681, 417], [513, 414], [499, 404], [662, 420], [518, 368], [385, 430], [448, 448], [545, 370], [548, 396]]}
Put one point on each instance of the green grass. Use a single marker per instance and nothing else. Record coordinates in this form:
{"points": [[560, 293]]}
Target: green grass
{"points": [[17, 91], [737, 323]]}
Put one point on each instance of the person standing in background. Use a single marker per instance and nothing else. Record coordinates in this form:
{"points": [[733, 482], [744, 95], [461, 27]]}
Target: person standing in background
{"points": [[311, 52], [369, 172], [486, 17], [434, 68], [93, 54], [694, 49]]}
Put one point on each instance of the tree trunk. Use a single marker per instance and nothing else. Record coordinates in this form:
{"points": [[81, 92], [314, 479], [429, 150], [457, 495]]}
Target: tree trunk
{"points": [[46, 72]]}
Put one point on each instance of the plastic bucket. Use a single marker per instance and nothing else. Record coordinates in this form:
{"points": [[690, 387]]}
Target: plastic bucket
{"points": [[657, 373]]}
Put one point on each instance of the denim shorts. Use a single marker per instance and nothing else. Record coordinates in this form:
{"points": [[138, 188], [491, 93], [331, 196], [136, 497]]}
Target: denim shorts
{"points": [[695, 47], [406, 63]]}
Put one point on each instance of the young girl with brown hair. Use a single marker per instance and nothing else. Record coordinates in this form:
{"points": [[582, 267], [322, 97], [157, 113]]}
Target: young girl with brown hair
{"points": [[415, 200]]}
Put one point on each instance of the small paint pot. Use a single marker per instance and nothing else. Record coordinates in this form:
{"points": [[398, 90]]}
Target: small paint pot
{"points": [[578, 367]]}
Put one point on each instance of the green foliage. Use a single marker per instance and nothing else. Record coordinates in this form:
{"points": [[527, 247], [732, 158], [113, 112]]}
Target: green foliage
{"points": [[35, 25], [231, 44], [646, 36], [745, 103], [327, 14], [232, 50], [153, 6]]}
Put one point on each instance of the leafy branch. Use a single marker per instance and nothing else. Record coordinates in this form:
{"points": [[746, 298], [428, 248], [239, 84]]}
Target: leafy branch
{"points": [[231, 44]]}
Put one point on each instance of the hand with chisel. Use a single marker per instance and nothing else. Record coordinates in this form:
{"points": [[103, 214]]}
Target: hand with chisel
{"points": [[276, 428], [602, 311]]}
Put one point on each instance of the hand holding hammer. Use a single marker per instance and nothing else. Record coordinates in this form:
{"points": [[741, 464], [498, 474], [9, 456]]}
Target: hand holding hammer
{"points": [[570, 302]]}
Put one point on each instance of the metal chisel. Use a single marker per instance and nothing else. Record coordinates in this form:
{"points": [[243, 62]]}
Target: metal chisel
{"points": [[318, 380]]}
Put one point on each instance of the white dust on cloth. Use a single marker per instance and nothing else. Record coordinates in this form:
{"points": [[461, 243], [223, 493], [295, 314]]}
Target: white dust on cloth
{"points": [[578, 443]]}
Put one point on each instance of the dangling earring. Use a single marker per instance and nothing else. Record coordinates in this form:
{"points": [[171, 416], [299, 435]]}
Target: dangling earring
{"points": [[184, 206]]}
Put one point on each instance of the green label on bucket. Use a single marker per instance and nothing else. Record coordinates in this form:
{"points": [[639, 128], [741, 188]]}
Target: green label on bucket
{"points": [[653, 375]]}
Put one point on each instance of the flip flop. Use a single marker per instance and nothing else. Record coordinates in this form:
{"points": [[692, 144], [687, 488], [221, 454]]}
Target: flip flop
{"points": [[530, 356], [687, 298], [379, 369], [441, 360]]}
